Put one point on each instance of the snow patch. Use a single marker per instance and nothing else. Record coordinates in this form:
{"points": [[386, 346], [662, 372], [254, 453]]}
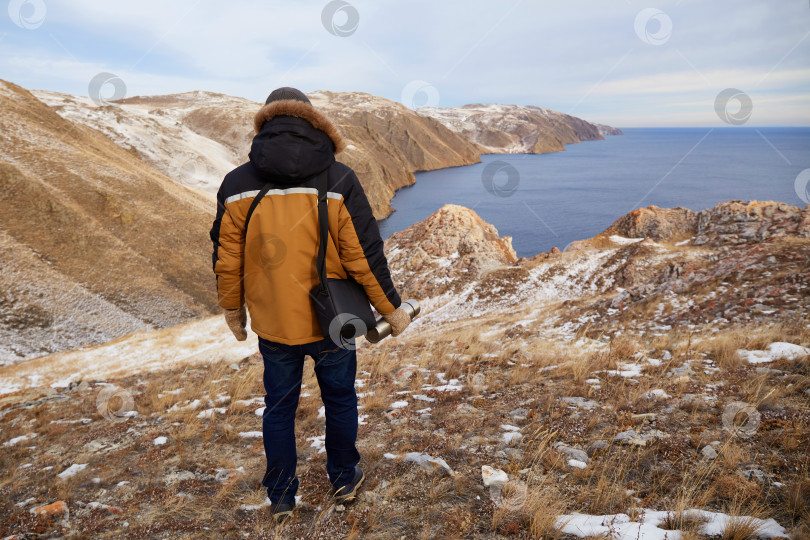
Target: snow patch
{"points": [[777, 350]]}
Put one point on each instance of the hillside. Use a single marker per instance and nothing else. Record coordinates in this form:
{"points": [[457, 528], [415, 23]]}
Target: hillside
{"points": [[517, 129], [197, 137], [95, 243], [655, 378], [92, 187]]}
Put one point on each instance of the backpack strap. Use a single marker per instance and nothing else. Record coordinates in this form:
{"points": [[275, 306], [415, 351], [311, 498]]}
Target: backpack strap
{"points": [[262, 192], [323, 220]]}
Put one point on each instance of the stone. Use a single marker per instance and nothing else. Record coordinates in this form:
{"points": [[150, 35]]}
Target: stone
{"points": [[511, 437], [680, 371], [55, 509], [178, 476], [631, 437], [404, 375], [95, 505], [709, 452], [519, 414], [395, 416], [581, 402], [596, 446], [571, 452], [754, 474], [30, 397], [493, 476], [225, 475], [466, 408], [429, 463]]}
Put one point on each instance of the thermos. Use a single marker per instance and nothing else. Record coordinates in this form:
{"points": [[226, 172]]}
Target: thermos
{"points": [[382, 329]]}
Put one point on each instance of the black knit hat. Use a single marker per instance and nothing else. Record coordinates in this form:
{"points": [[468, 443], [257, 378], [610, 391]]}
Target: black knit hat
{"points": [[286, 92]]}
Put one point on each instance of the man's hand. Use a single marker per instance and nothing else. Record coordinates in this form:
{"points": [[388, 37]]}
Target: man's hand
{"points": [[399, 320], [237, 320]]}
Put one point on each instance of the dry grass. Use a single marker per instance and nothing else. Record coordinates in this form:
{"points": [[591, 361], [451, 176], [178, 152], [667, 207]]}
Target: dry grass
{"points": [[681, 520], [402, 500], [723, 349]]}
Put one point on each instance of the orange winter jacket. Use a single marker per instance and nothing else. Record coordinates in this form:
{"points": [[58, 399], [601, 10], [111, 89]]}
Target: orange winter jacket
{"points": [[272, 267]]}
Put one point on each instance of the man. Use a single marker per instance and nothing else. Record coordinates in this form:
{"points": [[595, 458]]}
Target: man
{"points": [[272, 267]]}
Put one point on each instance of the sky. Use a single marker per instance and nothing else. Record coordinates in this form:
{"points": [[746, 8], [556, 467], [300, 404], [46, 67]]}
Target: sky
{"points": [[627, 63]]}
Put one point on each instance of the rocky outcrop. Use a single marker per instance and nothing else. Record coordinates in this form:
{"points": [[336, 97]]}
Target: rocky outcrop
{"points": [[608, 130], [732, 222], [514, 128], [738, 222], [656, 223], [450, 248], [748, 262]]}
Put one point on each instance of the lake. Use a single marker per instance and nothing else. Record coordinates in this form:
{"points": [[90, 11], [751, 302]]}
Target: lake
{"points": [[547, 200]]}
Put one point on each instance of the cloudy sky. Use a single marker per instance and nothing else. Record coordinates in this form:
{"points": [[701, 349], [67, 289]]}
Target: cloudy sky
{"points": [[622, 62]]}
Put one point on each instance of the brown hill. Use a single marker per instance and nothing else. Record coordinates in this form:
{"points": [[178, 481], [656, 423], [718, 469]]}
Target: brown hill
{"points": [[515, 128], [389, 142], [197, 137], [96, 243]]}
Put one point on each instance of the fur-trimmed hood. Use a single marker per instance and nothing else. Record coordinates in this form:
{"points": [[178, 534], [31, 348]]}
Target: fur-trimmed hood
{"points": [[299, 109], [293, 142]]}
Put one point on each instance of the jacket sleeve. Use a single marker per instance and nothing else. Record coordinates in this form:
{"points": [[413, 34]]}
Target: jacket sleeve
{"points": [[228, 257], [361, 248]]}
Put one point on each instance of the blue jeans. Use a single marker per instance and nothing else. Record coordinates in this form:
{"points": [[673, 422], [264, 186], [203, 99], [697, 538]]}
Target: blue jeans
{"points": [[335, 369]]}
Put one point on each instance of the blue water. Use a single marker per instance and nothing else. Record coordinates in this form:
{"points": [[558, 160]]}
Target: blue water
{"points": [[553, 199]]}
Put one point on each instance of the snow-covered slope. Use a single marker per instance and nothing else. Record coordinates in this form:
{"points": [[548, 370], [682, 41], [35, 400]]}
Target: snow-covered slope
{"points": [[160, 134], [201, 341]]}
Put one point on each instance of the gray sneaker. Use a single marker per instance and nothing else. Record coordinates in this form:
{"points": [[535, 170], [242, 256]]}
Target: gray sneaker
{"points": [[348, 492], [281, 511]]}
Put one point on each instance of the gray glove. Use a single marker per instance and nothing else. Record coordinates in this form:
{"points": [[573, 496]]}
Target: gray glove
{"points": [[399, 320]]}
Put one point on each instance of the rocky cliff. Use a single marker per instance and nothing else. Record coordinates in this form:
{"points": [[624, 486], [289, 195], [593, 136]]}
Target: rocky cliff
{"points": [[450, 248], [515, 128], [731, 222], [389, 142], [608, 130], [657, 267]]}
